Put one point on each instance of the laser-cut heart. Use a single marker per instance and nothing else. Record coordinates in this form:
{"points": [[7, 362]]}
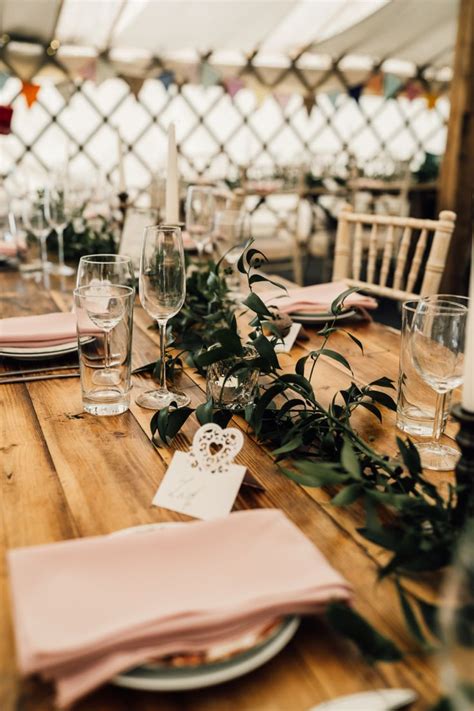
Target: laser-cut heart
{"points": [[214, 448]]}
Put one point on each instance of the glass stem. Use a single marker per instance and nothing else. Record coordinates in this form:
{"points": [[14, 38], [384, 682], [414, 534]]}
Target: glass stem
{"points": [[60, 233], [44, 251], [200, 248], [162, 327], [106, 350], [439, 416]]}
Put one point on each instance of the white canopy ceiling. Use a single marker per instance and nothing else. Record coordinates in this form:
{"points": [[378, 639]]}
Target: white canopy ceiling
{"points": [[419, 31]]}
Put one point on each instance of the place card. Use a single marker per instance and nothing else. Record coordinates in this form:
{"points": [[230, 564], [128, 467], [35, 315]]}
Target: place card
{"points": [[204, 482], [289, 340]]}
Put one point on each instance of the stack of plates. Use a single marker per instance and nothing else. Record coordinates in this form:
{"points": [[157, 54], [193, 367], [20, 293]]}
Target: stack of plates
{"points": [[321, 317], [38, 352]]}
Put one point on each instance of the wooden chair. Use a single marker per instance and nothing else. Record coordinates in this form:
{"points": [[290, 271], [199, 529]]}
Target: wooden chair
{"points": [[406, 246]]}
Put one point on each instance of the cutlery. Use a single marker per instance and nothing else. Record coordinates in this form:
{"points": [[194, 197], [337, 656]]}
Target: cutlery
{"points": [[33, 371], [31, 378], [380, 700]]}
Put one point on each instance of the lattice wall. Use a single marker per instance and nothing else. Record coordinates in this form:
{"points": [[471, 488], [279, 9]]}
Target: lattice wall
{"points": [[216, 134]]}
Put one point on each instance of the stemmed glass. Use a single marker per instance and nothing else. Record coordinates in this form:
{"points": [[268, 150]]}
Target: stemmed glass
{"points": [[230, 235], [199, 216], [103, 270], [437, 348], [162, 286], [59, 212], [36, 221]]}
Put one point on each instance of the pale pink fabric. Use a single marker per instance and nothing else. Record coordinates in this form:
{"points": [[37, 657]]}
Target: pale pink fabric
{"points": [[85, 610], [8, 249], [317, 298], [44, 330]]}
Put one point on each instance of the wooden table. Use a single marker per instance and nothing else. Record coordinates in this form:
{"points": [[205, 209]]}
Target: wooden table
{"points": [[68, 474]]}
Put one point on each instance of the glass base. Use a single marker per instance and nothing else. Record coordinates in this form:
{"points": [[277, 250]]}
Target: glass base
{"points": [[438, 457], [63, 270], [106, 402], [47, 267], [158, 399], [106, 377]]}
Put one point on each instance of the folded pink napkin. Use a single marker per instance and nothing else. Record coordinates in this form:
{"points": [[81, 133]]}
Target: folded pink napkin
{"points": [[31, 331], [8, 249], [85, 610], [317, 298]]}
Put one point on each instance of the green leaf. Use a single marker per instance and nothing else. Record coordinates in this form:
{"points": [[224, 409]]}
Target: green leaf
{"points": [[356, 340], [213, 355], [371, 408], [410, 617], [410, 456], [374, 646], [347, 495], [336, 356], [321, 473], [266, 350], [260, 277], [338, 303], [383, 399], [168, 422], [204, 412], [288, 446], [311, 479], [255, 303], [383, 383], [349, 459], [229, 340]]}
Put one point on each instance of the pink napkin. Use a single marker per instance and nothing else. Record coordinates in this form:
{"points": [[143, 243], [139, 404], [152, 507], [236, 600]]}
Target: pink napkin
{"points": [[45, 330], [8, 249], [317, 298], [85, 610]]}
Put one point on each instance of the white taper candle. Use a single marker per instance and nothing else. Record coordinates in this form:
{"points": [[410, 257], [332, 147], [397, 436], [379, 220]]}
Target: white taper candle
{"points": [[122, 186], [172, 180], [468, 387]]}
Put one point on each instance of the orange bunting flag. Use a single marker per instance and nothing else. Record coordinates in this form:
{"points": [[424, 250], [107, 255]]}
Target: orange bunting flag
{"points": [[30, 92], [308, 103], [375, 84], [431, 99]]}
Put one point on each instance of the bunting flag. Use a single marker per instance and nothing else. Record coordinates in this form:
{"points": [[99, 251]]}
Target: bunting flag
{"points": [[6, 113], [333, 96], [391, 85], [67, 89], [431, 99], [375, 84], [88, 70], [308, 103], [167, 77], [30, 92], [134, 84], [282, 99], [355, 92], [413, 90], [4, 76], [233, 85], [208, 76], [103, 70]]}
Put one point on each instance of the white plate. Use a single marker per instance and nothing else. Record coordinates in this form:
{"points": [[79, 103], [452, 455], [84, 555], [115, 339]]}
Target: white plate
{"points": [[147, 678], [40, 352], [316, 318]]}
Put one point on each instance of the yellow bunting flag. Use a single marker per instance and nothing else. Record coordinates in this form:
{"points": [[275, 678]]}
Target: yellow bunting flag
{"points": [[375, 85], [30, 92], [431, 99]]}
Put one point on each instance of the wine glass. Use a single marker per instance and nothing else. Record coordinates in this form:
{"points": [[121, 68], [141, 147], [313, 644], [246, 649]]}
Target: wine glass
{"points": [[105, 270], [437, 349], [199, 216], [457, 626], [105, 305], [162, 286], [59, 211], [36, 221], [230, 235]]}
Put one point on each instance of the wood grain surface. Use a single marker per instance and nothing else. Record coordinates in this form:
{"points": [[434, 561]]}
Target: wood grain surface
{"points": [[65, 473]]}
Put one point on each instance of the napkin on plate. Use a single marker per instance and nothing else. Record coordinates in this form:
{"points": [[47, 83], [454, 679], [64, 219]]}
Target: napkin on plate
{"points": [[317, 299], [36, 331], [88, 609], [8, 249]]}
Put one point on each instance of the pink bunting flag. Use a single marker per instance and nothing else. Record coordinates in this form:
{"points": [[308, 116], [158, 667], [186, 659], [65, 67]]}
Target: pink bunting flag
{"points": [[281, 99], [6, 113], [233, 85], [413, 90]]}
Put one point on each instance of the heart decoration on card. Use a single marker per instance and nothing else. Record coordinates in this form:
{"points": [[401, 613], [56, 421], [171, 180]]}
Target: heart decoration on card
{"points": [[214, 448]]}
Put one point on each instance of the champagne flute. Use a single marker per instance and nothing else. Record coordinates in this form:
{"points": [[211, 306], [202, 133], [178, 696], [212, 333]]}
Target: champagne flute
{"points": [[199, 216], [59, 212], [105, 270], [437, 349], [35, 219], [230, 234], [162, 286]]}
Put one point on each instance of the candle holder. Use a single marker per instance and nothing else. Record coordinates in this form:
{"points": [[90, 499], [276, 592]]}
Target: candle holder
{"points": [[465, 467]]}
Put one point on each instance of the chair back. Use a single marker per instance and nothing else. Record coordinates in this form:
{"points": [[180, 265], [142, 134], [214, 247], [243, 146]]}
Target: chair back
{"points": [[385, 253]]}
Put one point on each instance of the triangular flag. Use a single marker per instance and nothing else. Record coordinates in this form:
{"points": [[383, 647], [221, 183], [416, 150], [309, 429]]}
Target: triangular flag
{"points": [[233, 85], [282, 99], [391, 85], [208, 75], [308, 102], [413, 90], [333, 96], [374, 85], [103, 71], [431, 99], [6, 113], [134, 84], [67, 90], [4, 76], [88, 70], [167, 78], [355, 92], [30, 92]]}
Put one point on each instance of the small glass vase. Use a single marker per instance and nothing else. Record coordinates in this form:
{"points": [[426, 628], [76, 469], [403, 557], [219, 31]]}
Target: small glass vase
{"points": [[233, 389]]}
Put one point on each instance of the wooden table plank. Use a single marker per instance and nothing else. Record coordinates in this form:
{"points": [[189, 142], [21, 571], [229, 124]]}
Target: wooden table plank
{"points": [[66, 473]]}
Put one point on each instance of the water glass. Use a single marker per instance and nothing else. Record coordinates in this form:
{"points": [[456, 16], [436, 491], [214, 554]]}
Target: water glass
{"points": [[232, 383], [416, 401], [104, 330], [199, 215]]}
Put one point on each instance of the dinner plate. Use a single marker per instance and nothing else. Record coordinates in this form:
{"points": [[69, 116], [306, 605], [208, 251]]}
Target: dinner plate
{"points": [[40, 352], [317, 318], [181, 673]]}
